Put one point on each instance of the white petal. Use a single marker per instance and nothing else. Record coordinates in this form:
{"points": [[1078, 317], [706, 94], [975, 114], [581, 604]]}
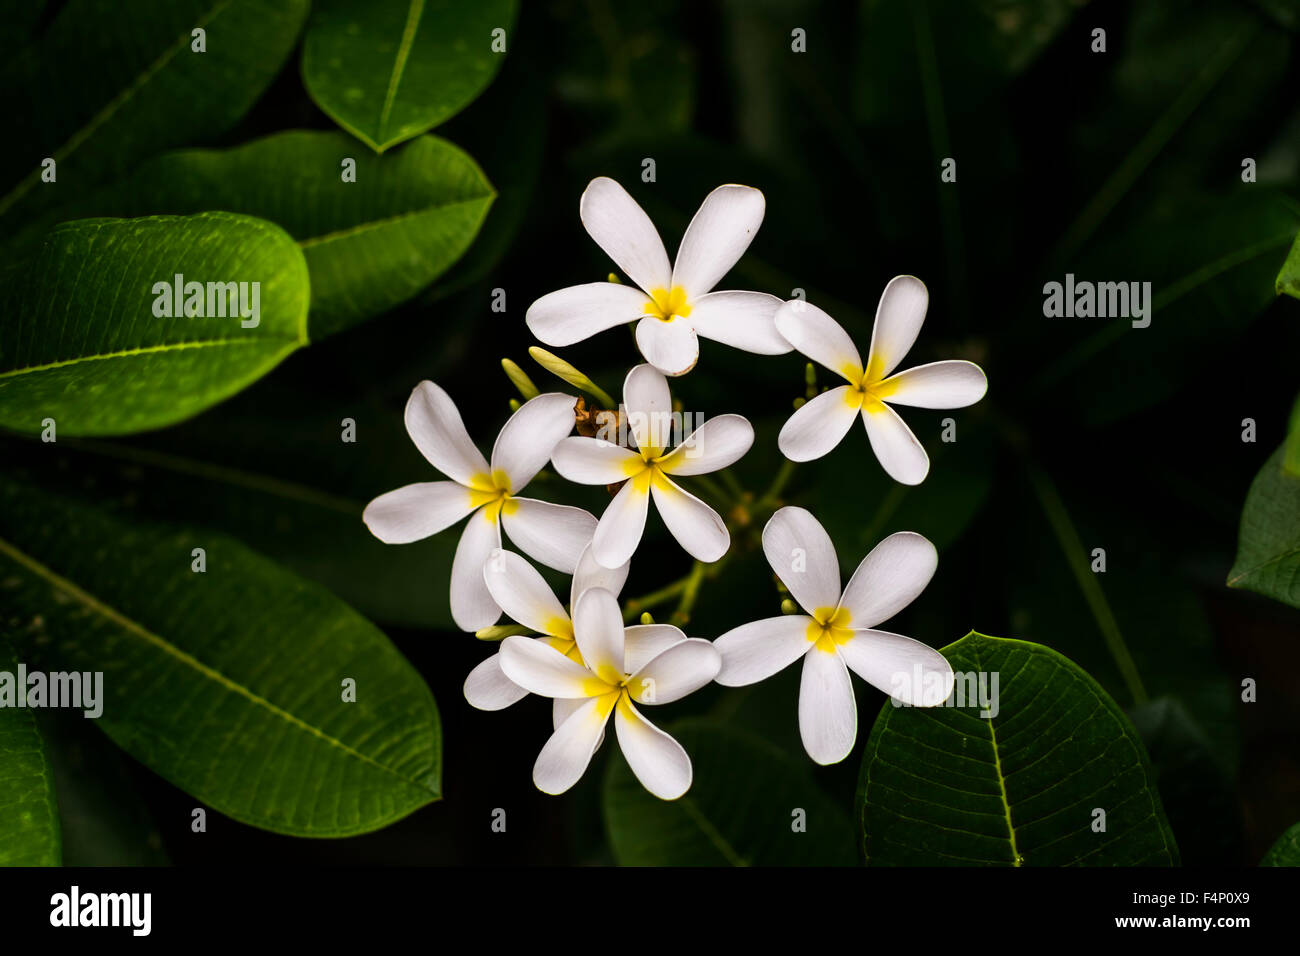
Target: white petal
{"points": [[562, 710], [581, 311], [828, 714], [434, 424], [899, 452], [953, 384], [648, 407], [527, 439], [553, 534], [620, 528], [888, 579], [675, 672], [472, 606], [540, 669], [522, 593], [754, 652], [821, 338], [625, 232], [658, 761], [566, 755], [598, 629], [743, 320], [698, 528], [590, 573], [594, 461], [717, 443], [488, 688], [670, 346], [898, 321], [803, 557], [720, 232], [416, 511], [819, 424], [642, 643], [907, 670]]}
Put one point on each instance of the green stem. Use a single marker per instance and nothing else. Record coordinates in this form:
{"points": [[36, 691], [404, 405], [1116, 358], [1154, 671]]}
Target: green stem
{"points": [[690, 591], [779, 481], [733, 483], [1068, 538], [632, 610]]}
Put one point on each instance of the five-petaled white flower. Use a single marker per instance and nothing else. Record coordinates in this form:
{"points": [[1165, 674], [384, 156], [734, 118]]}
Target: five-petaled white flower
{"points": [[673, 303], [609, 681], [521, 591], [552, 534], [837, 634], [647, 410], [818, 426]]}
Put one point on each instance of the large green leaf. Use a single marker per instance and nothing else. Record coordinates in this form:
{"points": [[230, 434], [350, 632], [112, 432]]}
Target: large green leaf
{"points": [[111, 82], [945, 786], [1268, 549], [389, 70], [370, 244], [1286, 851], [228, 682], [29, 813], [82, 344], [741, 810], [1288, 277]]}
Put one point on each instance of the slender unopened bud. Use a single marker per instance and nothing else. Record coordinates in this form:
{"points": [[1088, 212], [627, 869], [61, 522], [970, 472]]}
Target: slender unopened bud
{"points": [[519, 378], [562, 369], [499, 632]]}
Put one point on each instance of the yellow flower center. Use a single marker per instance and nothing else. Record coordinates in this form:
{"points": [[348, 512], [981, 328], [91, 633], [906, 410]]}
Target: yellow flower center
{"points": [[492, 490], [829, 627], [868, 388], [667, 304]]}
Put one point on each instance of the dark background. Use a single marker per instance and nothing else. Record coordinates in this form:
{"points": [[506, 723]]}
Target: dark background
{"points": [[1141, 443]]}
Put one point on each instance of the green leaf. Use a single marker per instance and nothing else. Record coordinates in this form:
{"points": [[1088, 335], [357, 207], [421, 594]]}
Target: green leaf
{"points": [[29, 813], [227, 676], [1291, 449], [741, 809], [389, 70], [370, 245], [1268, 547], [1286, 851], [945, 786], [1288, 277], [82, 344], [111, 82]]}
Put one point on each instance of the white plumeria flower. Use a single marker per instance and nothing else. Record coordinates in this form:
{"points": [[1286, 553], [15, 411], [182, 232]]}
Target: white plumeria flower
{"points": [[673, 303], [552, 534], [521, 591], [837, 633], [818, 426], [609, 681], [647, 409]]}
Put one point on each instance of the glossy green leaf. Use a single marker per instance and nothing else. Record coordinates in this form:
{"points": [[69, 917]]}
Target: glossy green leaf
{"points": [[370, 245], [82, 342], [1268, 547], [743, 808], [389, 70], [29, 812], [111, 82], [1286, 851], [233, 674], [946, 787]]}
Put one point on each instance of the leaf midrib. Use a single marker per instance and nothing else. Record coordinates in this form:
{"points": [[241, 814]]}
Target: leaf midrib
{"points": [[96, 606], [413, 14], [149, 350]]}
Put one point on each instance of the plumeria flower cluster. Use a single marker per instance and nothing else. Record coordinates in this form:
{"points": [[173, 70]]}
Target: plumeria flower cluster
{"points": [[583, 656]]}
